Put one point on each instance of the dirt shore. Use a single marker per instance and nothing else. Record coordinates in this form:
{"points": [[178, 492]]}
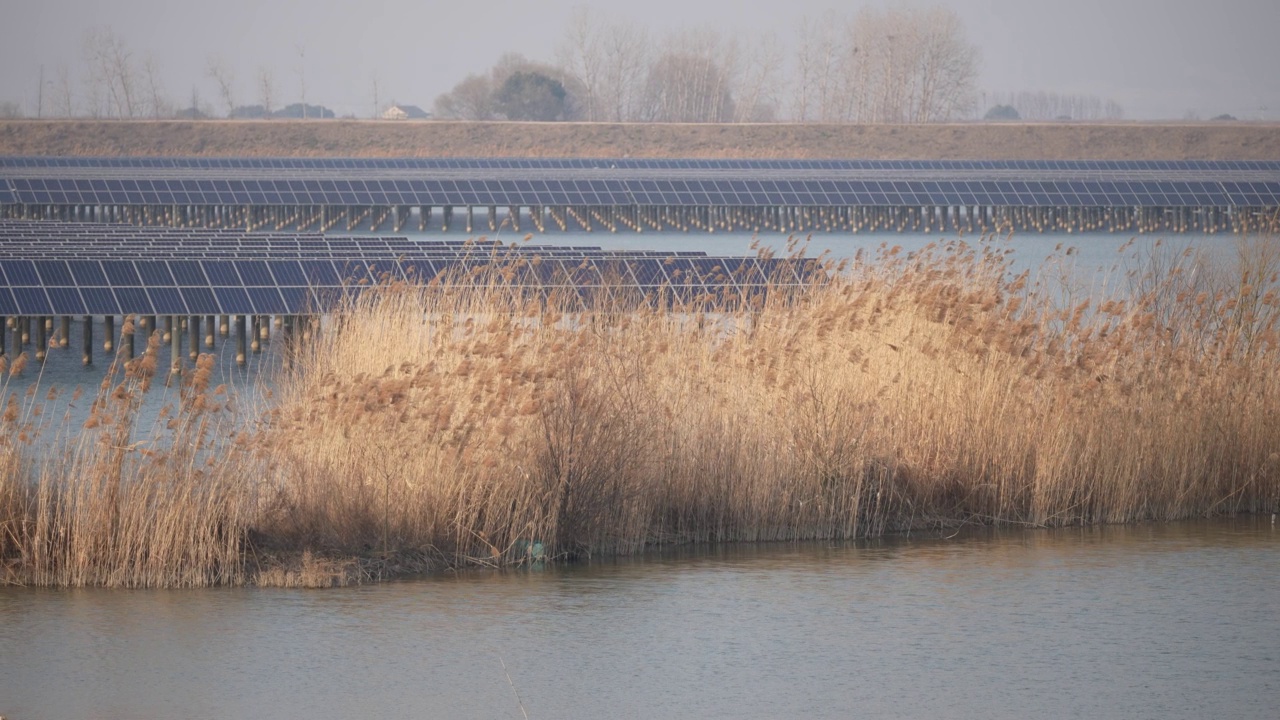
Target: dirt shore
{"points": [[330, 138]]}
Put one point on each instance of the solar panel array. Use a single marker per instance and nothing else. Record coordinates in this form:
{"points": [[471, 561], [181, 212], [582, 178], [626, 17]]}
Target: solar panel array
{"points": [[646, 192], [436, 182], [77, 269]]}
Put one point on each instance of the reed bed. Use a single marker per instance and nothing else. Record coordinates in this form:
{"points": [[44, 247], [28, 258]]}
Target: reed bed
{"points": [[115, 503], [434, 426]]}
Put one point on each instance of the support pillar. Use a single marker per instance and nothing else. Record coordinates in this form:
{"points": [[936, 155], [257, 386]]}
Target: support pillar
{"points": [[87, 338], [175, 346], [127, 334], [241, 357], [42, 345], [193, 335]]}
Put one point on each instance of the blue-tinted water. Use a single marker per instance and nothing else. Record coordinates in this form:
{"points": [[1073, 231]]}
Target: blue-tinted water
{"points": [[1162, 621]]}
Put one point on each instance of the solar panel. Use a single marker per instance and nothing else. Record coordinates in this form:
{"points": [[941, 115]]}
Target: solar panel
{"points": [[200, 300], [101, 301], [427, 182], [31, 301]]}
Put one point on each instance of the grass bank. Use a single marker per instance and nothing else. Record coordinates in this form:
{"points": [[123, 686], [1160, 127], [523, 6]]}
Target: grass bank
{"points": [[354, 138], [432, 427]]}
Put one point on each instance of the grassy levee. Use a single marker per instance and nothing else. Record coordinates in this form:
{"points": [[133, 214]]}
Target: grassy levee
{"points": [[434, 138], [435, 426]]}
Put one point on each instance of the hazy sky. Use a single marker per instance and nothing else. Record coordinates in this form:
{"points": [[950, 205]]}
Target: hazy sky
{"points": [[1157, 58]]}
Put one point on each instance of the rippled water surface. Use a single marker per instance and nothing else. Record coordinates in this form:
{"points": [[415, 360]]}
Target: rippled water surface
{"points": [[1150, 621]]}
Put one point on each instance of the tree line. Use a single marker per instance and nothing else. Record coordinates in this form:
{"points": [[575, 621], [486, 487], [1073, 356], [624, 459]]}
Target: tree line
{"points": [[896, 65]]}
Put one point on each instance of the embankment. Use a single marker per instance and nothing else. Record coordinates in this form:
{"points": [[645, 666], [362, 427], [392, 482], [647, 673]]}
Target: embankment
{"points": [[344, 138]]}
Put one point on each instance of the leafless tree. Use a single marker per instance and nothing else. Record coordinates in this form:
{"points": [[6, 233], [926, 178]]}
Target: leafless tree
{"points": [[898, 65], [111, 73], [581, 55], [266, 90], [688, 82], [225, 78], [945, 69], [626, 61], [608, 61], [156, 98], [756, 97], [62, 101], [818, 93]]}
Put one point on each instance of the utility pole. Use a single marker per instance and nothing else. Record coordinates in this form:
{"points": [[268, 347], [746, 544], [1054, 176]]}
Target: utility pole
{"points": [[40, 95]]}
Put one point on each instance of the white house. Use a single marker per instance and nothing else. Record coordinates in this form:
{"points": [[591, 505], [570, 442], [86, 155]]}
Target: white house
{"points": [[405, 112]]}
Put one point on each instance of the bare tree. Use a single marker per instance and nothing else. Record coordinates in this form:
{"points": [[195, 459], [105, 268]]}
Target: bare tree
{"points": [[690, 80], [225, 78], [63, 103], [946, 66], [156, 98], [111, 72], [904, 65], [266, 90], [756, 95], [581, 55], [607, 63], [627, 57], [825, 87]]}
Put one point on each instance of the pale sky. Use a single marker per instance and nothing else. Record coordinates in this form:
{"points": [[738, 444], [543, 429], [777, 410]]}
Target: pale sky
{"points": [[1159, 60]]}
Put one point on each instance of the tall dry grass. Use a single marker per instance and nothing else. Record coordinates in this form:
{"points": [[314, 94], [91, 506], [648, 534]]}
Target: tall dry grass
{"points": [[487, 424], [910, 391], [118, 504]]}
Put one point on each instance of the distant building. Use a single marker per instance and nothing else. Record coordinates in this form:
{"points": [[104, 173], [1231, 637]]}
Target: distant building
{"points": [[405, 112]]}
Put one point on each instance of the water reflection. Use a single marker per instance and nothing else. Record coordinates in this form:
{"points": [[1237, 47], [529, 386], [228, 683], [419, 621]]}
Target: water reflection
{"points": [[1168, 621]]}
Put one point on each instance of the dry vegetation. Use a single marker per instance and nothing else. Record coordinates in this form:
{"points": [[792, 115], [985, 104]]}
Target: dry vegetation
{"points": [[334, 138], [430, 427]]}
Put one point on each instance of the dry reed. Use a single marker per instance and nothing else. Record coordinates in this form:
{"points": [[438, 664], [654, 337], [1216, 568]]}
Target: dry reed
{"points": [[483, 423]]}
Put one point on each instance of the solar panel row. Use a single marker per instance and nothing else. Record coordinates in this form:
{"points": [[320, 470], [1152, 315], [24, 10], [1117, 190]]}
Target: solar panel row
{"points": [[54, 268], [643, 192], [26, 238], [309, 286]]}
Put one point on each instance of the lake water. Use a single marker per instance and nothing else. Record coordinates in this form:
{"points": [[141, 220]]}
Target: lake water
{"points": [[1163, 621]]}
